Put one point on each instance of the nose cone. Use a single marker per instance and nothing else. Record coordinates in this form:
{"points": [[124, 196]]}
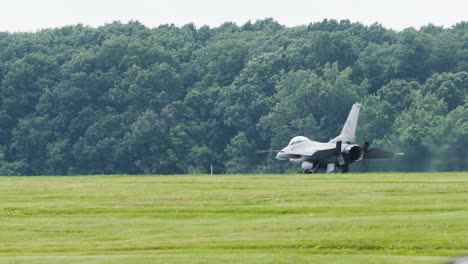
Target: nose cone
{"points": [[281, 156]]}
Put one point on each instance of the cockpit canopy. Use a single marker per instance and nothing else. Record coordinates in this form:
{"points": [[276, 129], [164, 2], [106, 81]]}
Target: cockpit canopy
{"points": [[297, 139]]}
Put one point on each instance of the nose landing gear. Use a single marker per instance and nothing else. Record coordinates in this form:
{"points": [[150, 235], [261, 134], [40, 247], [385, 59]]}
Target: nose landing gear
{"points": [[312, 168]]}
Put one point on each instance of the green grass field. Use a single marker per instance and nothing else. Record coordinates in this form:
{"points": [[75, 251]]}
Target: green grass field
{"points": [[337, 218]]}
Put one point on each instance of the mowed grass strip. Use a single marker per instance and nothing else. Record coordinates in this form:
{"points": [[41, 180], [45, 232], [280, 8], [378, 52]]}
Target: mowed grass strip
{"points": [[336, 218]]}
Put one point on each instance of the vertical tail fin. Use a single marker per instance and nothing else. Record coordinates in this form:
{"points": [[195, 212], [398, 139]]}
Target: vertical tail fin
{"points": [[348, 133]]}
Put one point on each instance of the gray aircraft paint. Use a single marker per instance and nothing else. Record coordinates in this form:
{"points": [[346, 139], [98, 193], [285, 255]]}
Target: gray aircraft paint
{"points": [[348, 133], [336, 154]]}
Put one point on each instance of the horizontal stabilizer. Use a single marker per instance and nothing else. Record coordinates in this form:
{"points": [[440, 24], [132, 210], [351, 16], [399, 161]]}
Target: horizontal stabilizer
{"points": [[376, 153]]}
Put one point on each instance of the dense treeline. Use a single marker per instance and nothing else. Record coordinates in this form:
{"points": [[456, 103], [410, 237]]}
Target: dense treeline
{"points": [[123, 98]]}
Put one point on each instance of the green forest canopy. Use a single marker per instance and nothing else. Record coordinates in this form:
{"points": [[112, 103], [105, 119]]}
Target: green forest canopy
{"points": [[124, 98]]}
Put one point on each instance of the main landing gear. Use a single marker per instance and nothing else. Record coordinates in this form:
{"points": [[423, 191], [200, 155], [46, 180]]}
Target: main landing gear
{"points": [[312, 169]]}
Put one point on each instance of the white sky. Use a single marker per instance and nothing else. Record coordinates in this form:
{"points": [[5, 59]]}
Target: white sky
{"points": [[31, 15]]}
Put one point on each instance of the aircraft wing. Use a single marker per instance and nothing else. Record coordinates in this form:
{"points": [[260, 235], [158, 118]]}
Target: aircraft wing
{"points": [[317, 154], [376, 153], [324, 154]]}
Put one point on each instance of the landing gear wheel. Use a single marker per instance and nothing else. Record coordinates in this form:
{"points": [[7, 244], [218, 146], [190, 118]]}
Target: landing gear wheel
{"points": [[342, 168]]}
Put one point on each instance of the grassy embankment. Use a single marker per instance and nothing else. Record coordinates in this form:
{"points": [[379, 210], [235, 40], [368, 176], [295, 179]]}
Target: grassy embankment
{"points": [[350, 218]]}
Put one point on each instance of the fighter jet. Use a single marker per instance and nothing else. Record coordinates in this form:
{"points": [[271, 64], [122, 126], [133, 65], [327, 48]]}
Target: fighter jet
{"points": [[335, 155]]}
